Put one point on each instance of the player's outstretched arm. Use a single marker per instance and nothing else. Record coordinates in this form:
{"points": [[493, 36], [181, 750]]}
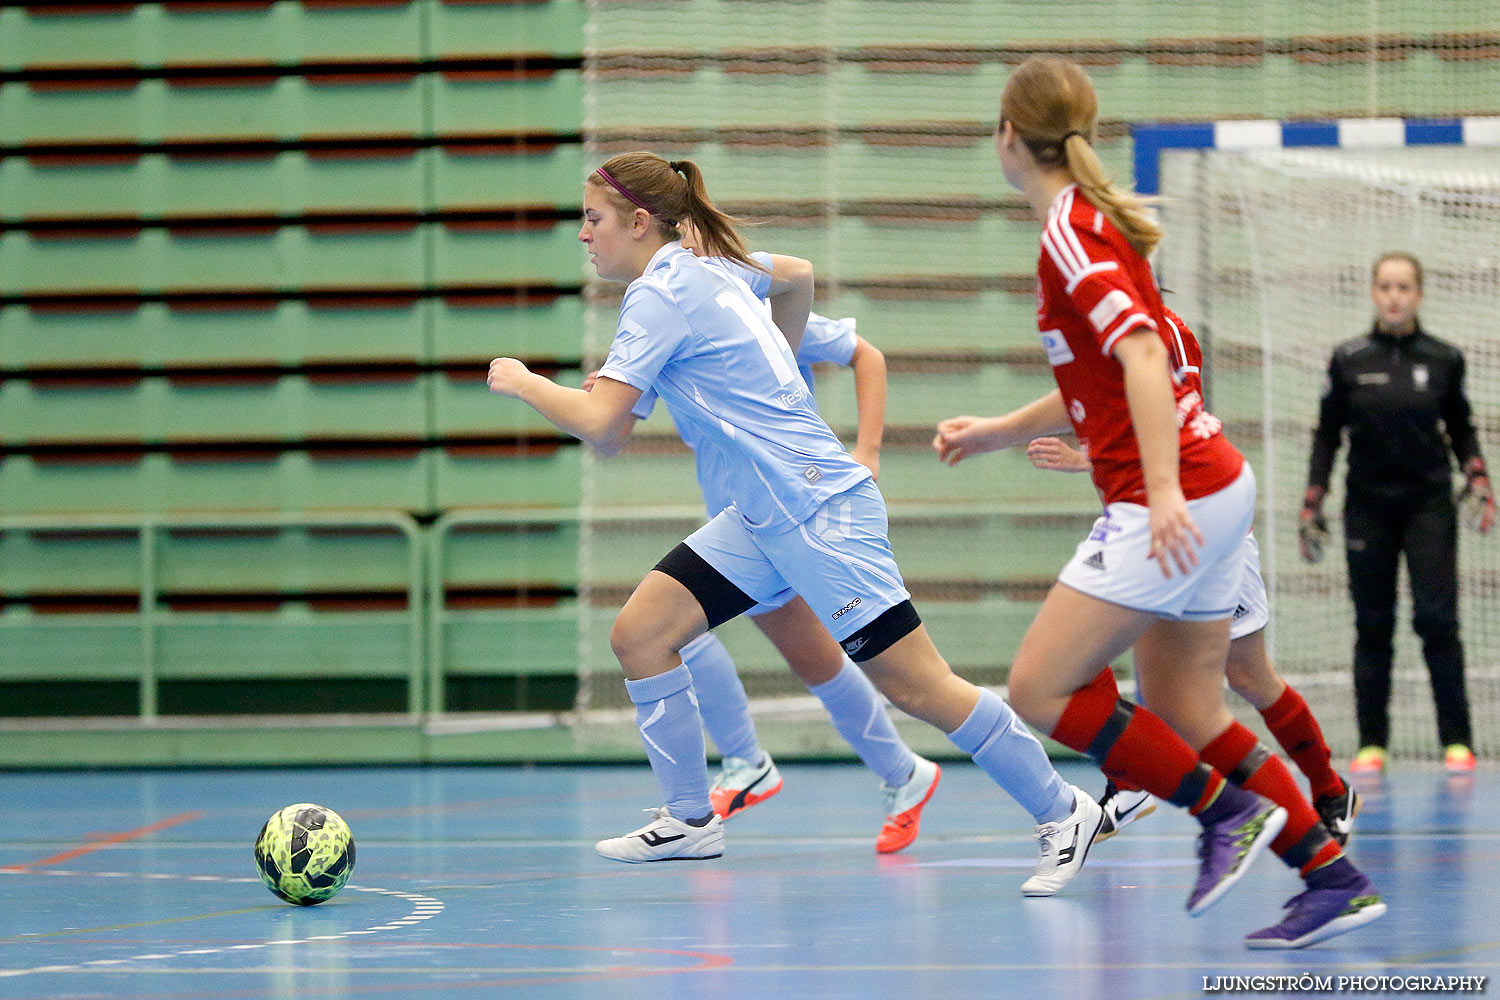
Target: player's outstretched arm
{"points": [[959, 437], [868, 363], [596, 417]]}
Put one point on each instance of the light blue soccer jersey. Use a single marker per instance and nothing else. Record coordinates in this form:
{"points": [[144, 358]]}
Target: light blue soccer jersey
{"points": [[693, 331]]}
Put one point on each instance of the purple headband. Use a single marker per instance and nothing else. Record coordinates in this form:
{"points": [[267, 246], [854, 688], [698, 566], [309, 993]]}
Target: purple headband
{"points": [[623, 191]]}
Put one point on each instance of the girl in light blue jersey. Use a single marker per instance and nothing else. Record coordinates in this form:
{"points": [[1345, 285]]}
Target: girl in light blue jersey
{"points": [[748, 775], [806, 517]]}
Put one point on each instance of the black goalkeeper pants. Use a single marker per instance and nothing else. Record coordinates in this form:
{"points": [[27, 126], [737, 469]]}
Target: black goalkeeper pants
{"points": [[1422, 525]]}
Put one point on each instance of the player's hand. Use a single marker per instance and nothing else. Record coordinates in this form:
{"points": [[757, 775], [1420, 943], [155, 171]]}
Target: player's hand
{"points": [[1476, 504], [1051, 453], [1175, 538], [507, 376], [588, 383], [959, 437], [869, 458]]}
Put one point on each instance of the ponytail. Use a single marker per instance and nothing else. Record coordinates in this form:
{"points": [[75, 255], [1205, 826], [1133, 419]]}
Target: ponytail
{"points": [[673, 192], [1052, 105], [1127, 210]]}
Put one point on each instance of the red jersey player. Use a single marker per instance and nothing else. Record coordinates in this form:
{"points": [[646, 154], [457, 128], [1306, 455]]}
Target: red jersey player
{"points": [[1161, 570]]}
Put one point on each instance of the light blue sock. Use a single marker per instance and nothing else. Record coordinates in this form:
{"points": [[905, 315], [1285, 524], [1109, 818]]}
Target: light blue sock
{"points": [[666, 712], [721, 698], [1004, 748], [859, 715]]}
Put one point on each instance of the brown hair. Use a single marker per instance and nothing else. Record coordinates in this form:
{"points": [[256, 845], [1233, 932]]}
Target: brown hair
{"points": [[1052, 104], [1410, 258], [673, 192]]}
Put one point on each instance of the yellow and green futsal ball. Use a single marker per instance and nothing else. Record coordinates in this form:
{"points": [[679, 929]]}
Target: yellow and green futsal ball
{"points": [[305, 853]]}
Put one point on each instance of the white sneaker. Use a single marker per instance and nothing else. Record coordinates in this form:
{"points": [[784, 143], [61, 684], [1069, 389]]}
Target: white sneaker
{"points": [[903, 807], [666, 838], [740, 785], [1121, 808], [1064, 846]]}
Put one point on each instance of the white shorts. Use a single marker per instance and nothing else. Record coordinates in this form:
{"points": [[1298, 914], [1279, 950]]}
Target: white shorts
{"points": [[1114, 563], [1253, 612], [839, 560]]}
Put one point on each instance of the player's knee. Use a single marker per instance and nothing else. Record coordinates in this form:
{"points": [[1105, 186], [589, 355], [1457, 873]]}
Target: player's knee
{"points": [[1252, 679], [1435, 628], [636, 639], [1028, 695]]}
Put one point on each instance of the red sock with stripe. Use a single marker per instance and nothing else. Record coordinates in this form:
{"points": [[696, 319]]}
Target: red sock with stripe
{"points": [[1130, 741], [1304, 842], [1297, 730]]}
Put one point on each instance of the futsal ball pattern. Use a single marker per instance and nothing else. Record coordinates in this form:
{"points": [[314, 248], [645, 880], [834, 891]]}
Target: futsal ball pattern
{"points": [[305, 854]]}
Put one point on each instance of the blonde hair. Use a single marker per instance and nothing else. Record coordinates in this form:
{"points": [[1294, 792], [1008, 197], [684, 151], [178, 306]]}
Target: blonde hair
{"points": [[1052, 105], [673, 192]]}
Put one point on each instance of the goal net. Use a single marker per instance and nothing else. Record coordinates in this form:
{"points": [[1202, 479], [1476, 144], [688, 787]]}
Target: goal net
{"points": [[859, 134], [1269, 256]]}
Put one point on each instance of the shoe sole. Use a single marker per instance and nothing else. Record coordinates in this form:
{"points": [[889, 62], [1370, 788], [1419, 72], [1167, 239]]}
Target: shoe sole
{"points": [[916, 819], [1334, 927], [1268, 833], [652, 861], [1139, 814], [648, 861]]}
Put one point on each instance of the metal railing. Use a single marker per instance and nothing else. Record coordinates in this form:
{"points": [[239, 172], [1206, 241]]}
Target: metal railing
{"points": [[149, 615]]}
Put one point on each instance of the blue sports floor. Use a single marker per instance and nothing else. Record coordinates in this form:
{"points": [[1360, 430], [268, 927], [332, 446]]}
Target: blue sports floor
{"points": [[482, 882]]}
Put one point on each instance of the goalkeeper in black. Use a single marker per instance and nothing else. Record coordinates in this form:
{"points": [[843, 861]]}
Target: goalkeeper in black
{"points": [[1399, 394]]}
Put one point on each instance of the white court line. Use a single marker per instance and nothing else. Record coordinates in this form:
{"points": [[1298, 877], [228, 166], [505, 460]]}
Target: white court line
{"points": [[422, 908]]}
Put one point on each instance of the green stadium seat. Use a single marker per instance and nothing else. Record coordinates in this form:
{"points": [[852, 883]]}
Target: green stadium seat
{"points": [[153, 334], [546, 102], [541, 475], [975, 325], [548, 253], [550, 174], [361, 480], [526, 640], [291, 642], [290, 33], [545, 327], [212, 407], [554, 28], [530, 554], [74, 561]]}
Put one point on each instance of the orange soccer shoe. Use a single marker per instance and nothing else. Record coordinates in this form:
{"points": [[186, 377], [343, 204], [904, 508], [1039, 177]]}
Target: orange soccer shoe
{"points": [[1458, 759], [903, 807], [1369, 760], [741, 785]]}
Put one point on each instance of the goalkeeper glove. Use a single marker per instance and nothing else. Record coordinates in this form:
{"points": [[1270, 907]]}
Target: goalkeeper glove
{"points": [[1476, 501], [1312, 528]]}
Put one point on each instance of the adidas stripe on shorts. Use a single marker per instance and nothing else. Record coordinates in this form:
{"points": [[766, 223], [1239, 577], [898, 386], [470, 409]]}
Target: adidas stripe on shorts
{"points": [[1253, 612]]}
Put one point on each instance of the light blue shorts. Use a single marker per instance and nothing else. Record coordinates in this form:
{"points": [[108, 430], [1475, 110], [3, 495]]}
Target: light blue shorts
{"points": [[838, 560]]}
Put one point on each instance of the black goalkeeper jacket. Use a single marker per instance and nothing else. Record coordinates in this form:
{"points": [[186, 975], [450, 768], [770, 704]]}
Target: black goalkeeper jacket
{"points": [[1402, 401]]}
